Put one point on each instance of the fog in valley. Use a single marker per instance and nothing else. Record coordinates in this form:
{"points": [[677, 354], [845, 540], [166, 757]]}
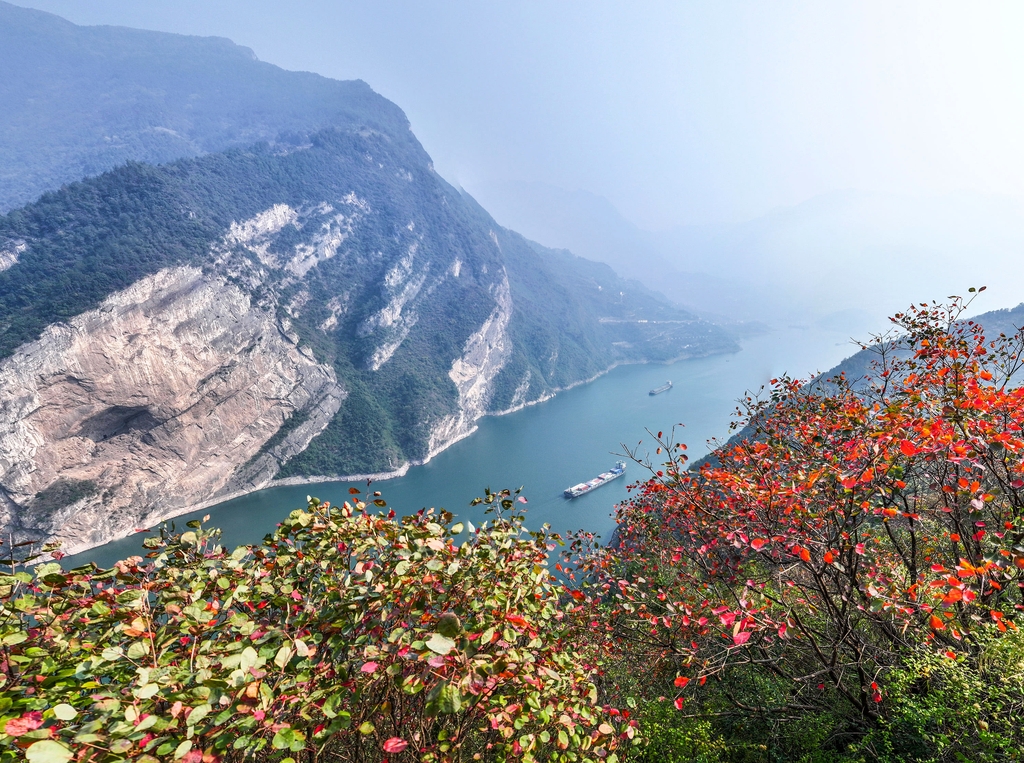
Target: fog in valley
{"points": [[784, 162]]}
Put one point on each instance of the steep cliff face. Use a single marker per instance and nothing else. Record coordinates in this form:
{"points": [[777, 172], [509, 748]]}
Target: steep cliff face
{"points": [[147, 404]]}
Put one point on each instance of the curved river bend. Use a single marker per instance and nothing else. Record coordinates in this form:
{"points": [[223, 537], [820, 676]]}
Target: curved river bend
{"points": [[548, 447]]}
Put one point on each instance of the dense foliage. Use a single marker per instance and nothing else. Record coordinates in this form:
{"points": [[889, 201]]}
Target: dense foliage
{"points": [[346, 635], [844, 584]]}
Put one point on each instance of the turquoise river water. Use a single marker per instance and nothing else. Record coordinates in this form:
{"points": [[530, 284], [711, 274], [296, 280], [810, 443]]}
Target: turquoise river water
{"points": [[548, 447]]}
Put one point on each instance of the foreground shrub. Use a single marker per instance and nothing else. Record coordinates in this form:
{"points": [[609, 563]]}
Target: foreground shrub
{"points": [[794, 588], [347, 635]]}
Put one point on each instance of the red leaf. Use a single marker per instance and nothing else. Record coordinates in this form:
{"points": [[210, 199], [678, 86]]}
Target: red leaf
{"points": [[681, 681], [395, 744], [805, 554], [758, 543], [908, 448], [678, 703], [829, 557], [741, 638], [26, 723]]}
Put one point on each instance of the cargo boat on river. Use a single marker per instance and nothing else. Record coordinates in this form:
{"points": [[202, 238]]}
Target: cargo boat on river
{"points": [[663, 388], [602, 479]]}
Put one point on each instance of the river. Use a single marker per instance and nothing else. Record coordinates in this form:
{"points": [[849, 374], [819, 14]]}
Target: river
{"points": [[547, 447]]}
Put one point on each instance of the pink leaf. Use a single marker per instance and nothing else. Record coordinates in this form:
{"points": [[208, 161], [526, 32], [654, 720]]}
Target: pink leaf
{"points": [[395, 744], [26, 723], [741, 638], [369, 667]]}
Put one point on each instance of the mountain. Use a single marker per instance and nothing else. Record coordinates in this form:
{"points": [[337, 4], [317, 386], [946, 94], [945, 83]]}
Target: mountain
{"points": [[845, 259], [77, 101], [864, 251], [858, 367], [591, 226], [321, 304]]}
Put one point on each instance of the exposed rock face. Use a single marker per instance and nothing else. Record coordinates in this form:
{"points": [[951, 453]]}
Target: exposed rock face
{"points": [[473, 373], [150, 404], [9, 254]]}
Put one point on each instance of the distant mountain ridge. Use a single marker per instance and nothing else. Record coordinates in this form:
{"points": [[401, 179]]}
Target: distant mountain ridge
{"points": [[845, 258], [77, 101]]}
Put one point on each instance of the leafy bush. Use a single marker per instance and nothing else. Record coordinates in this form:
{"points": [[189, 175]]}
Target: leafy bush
{"points": [[346, 635], [799, 589]]}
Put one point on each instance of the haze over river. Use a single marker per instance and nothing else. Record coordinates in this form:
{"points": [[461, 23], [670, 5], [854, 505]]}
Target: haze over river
{"points": [[550, 446]]}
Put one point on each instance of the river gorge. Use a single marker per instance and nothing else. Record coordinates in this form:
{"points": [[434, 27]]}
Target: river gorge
{"points": [[549, 446]]}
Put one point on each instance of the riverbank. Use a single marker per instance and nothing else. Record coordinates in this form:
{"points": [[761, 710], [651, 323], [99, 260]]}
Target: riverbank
{"points": [[154, 519]]}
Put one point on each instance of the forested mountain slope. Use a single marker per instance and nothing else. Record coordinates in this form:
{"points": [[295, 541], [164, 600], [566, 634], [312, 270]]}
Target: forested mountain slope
{"points": [[175, 333]]}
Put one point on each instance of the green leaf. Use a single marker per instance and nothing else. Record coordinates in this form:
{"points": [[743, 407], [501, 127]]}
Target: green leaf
{"points": [[15, 638], [198, 714], [283, 739], [64, 711], [48, 751], [49, 568], [249, 659], [449, 700], [147, 691], [137, 650], [283, 656], [449, 625], [457, 528], [182, 749], [440, 644]]}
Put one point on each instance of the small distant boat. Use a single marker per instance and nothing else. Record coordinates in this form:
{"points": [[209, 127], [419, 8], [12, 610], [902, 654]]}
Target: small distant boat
{"points": [[663, 388], [602, 479]]}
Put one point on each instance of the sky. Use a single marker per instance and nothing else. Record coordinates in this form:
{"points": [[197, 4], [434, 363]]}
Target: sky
{"points": [[679, 113]]}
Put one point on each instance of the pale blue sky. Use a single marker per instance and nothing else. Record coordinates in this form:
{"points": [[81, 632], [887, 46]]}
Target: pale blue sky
{"points": [[676, 112]]}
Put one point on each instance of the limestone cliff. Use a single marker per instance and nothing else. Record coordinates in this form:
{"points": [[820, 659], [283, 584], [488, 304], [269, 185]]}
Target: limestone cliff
{"points": [[148, 404]]}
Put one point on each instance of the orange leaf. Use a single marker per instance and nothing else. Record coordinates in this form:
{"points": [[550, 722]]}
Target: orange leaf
{"points": [[936, 624], [805, 554], [829, 557]]}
